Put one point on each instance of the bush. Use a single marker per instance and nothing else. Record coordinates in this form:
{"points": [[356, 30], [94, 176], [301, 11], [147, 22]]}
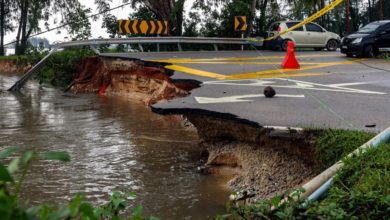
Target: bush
{"points": [[60, 67]]}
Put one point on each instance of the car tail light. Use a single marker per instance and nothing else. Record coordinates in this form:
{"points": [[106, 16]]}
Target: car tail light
{"points": [[279, 29]]}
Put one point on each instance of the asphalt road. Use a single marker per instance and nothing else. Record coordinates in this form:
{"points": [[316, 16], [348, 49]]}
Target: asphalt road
{"points": [[328, 91]]}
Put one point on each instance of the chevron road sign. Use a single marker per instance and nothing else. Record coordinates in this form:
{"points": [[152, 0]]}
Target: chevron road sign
{"points": [[147, 27], [240, 23]]}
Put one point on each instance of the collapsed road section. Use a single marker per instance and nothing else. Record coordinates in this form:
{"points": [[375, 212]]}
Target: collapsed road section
{"points": [[142, 81], [262, 162]]}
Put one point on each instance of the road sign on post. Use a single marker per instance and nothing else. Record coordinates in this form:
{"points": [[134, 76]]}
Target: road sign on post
{"points": [[147, 27], [240, 23]]}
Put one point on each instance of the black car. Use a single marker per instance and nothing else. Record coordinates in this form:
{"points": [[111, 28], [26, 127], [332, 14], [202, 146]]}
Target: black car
{"points": [[369, 41]]}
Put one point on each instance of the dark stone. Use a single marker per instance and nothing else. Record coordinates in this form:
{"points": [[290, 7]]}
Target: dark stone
{"points": [[269, 92]]}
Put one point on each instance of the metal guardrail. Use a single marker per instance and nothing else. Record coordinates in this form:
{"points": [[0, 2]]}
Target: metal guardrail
{"points": [[93, 43], [163, 40]]}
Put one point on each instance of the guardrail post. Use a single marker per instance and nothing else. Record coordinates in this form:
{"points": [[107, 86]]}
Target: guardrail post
{"points": [[179, 47], [215, 47], [140, 47], [94, 49]]}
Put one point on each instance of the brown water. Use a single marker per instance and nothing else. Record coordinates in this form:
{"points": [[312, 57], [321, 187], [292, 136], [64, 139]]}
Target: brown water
{"points": [[114, 144]]}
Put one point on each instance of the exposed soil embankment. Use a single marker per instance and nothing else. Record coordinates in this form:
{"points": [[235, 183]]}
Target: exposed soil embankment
{"points": [[13, 67], [139, 80], [262, 162]]}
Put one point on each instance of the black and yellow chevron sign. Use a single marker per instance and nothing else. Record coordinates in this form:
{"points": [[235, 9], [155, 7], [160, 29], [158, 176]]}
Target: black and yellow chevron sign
{"points": [[240, 23], [147, 27]]}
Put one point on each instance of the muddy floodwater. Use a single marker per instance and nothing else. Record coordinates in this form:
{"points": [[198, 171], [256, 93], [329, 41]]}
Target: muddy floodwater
{"points": [[114, 144]]}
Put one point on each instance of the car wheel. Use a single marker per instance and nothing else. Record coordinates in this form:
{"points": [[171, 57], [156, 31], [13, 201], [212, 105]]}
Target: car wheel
{"points": [[349, 55], [318, 48], [369, 51], [332, 45], [284, 45]]}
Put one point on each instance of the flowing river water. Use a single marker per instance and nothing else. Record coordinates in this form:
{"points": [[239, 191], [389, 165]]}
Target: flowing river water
{"points": [[115, 144]]}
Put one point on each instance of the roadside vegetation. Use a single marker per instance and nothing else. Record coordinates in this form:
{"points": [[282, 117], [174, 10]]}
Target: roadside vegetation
{"points": [[60, 67], [12, 176], [361, 189]]}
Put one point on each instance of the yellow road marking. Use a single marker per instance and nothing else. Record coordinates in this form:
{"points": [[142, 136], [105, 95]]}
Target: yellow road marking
{"points": [[277, 71], [195, 72], [259, 74], [252, 63], [239, 58], [278, 75]]}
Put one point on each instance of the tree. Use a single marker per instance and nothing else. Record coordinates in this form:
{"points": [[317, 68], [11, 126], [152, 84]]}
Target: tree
{"points": [[170, 10], [30, 12], [252, 17], [5, 25]]}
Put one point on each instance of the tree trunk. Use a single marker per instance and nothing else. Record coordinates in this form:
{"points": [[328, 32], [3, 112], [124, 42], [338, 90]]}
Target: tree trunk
{"points": [[2, 27], [21, 40], [252, 18], [263, 7], [369, 11], [381, 7], [347, 26], [165, 10]]}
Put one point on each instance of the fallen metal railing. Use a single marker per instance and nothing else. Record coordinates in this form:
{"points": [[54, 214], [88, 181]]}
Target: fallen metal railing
{"points": [[93, 43]]}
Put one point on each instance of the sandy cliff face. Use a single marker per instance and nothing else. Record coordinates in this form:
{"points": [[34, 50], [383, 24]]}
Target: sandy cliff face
{"points": [[12, 67], [133, 78]]}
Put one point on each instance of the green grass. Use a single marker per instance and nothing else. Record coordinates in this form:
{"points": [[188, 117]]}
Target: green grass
{"points": [[333, 145], [361, 189], [13, 57]]}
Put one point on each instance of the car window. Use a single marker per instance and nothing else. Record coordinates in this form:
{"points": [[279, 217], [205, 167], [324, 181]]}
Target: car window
{"points": [[292, 24], [274, 27], [313, 27], [368, 29], [385, 27]]}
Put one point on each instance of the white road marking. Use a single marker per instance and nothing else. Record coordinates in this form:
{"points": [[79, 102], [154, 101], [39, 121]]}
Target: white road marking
{"points": [[349, 84], [239, 98], [298, 85]]}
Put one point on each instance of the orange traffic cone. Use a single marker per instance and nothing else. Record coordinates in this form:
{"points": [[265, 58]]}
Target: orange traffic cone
{"points": [[290, 62]]}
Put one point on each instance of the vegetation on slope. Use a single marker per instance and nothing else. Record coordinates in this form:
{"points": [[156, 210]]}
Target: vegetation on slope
{"points": [[361, 189]]}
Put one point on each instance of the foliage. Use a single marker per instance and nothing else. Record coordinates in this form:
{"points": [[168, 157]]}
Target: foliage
{"points": [[12, 208], [361, 190], [60, 67], [334, 144]]}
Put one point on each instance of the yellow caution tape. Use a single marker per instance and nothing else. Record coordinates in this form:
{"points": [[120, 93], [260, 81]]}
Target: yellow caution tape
{"points": [[309, 19]]}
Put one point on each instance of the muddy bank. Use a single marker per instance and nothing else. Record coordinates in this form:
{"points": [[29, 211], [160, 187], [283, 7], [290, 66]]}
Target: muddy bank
{"points": [[139, 80], [13, 67], [262, 162]]}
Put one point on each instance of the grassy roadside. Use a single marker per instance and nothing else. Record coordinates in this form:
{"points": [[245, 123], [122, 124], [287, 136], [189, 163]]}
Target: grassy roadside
{"points": [[13, 57], [361, 189], [58, 69]]}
